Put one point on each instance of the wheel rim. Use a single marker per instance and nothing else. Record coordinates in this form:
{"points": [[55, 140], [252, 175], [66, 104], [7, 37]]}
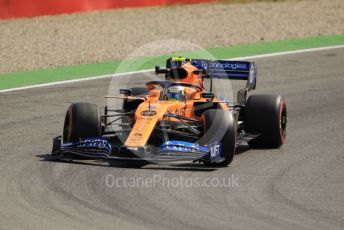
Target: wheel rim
{"points": [[283, 122], [67, 129]]}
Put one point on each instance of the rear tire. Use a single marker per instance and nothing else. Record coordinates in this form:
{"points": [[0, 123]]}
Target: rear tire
{"points": [[82, 120], [266, 115], [220, 125]]}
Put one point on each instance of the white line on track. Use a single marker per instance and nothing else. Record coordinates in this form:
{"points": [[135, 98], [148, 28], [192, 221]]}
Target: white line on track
{"points": [[149, 70], [289, 52]]}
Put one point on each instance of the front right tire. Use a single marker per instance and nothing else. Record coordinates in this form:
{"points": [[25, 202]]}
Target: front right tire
{"points": [[82, 120], [220, 126], [130, 105]]}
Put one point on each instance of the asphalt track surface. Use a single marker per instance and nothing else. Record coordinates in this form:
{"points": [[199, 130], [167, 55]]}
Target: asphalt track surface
{"points": [[299, 186]]}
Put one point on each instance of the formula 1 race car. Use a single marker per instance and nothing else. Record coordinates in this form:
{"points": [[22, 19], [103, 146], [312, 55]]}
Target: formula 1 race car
{"points": [[177, 119]]}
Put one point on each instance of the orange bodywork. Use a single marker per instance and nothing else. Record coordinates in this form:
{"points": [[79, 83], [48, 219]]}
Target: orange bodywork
{"points": [[153, 109], [192, 78]]}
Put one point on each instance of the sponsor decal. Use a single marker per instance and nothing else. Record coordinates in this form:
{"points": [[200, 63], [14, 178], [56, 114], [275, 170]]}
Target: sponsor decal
{"points": [[180, 111], [148, 113], [181, 146], [229, 66], [200, 64], [145, 119], [137, 134], [149, 107], [92, 143], [140, 126], [222, 65], [215, 152], [136, 137], [223, 99]]}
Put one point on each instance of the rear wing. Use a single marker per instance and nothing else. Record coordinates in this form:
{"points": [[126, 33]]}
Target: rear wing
{"points": [[222, 69]]}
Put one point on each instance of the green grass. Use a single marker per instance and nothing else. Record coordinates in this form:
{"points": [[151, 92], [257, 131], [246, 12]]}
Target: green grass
{"points": [[18, 79]]}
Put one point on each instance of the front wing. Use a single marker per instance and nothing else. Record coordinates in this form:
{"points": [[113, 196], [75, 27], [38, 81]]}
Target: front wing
{"points": [[103, 149]]}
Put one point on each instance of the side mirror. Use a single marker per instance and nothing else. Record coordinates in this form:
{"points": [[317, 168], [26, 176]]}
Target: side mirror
{"points": [[208, 95], [126, 92], [159, 71]]}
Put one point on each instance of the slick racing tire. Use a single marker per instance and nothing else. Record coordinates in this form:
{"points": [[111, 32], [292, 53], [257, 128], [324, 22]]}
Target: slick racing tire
{"points": [[131, 105], [266, 115], [83, 120], [220, 126]]}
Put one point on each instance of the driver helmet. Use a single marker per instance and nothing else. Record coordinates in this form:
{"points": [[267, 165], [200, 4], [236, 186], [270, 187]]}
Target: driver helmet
{"points": [[176, 93]]}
